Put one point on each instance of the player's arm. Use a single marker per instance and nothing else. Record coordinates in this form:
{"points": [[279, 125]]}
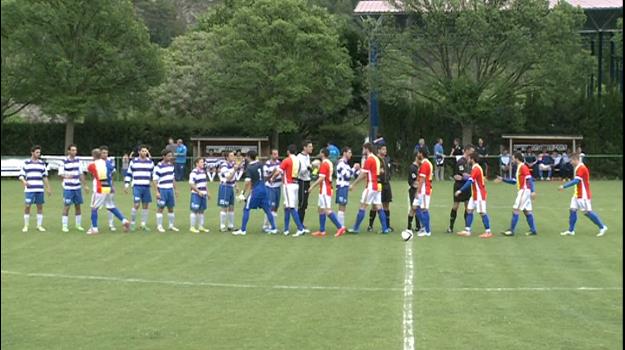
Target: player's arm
{"points": [[571, 183], [508, 181], [247, 188], [155, 179], [361, 176], [22, 176], [465, 187], [320, 178], [420, 180], [276, 171], [83, 180], [46, 183]]}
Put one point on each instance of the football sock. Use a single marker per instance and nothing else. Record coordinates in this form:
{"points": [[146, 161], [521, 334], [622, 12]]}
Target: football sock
{"points": [[572, 220], [172, 218], [26, 219], [530, 221], [425, 214], [144, 216], [359, 218], [595, 218], [388, 217], [94, 218], [133, 216], [341, 216], [39, 219], [372, 214], [159, 219], [78, 220], [297, 220], [383, 219], [192, 218], [410, 218], [322, 222], [486, 222], [452, 218], [287, 218], [222, 218], [515, 219], [64, 220], [335, 220], [246, 218], [115, 212], [469, 221]]}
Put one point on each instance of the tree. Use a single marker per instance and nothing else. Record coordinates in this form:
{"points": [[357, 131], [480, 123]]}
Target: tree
{"points": [[271, 65], [75, 56], [162, 20], [475, 59]]}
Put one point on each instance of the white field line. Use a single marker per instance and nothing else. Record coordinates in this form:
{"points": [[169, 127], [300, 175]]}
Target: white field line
{"points": [[295, 287], [409, 343]]}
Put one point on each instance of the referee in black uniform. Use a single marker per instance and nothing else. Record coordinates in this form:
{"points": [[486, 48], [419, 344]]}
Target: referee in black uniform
{"points": [[413, 175], [461, 169], [385, 180]]}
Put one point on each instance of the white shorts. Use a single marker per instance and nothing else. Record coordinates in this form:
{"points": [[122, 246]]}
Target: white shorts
{"points": [[422, 201], [289, 192], [479, 205], [370, 197], [582, 204], [325, 201], [523, 200], [102, 199]]}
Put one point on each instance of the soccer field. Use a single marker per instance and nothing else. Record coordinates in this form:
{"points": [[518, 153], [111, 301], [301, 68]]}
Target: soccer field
{"points": [[368, 291]]}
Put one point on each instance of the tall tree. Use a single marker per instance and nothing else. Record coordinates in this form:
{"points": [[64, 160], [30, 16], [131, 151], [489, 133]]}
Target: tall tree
{"points": [[474, 59], [271, 65], [76, 56]]}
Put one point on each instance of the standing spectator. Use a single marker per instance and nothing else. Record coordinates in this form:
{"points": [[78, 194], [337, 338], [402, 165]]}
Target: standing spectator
{"points": [[456, 152], [334, 152], [421, 145], [557, 164], [181, 159], [504, 163], [171, 146], [439, 155], [481, 149], [125, 164], [566, 169], [531, 160], [545, 163]]}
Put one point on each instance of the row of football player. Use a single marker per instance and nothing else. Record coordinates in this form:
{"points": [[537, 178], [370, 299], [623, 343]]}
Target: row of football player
{"points": [[263, 192]]}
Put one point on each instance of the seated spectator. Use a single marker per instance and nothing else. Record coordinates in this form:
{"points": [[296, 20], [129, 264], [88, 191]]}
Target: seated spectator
{"points": [[531, 160], [504, 164], [545, 163]]}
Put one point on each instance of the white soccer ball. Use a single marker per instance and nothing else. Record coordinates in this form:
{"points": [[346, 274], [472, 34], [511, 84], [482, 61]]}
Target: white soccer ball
{"points": [[316, 163], [406, 235]]}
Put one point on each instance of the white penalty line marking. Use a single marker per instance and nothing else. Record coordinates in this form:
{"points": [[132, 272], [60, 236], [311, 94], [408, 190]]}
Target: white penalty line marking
{"points": [[408, 292], [337, 288]]}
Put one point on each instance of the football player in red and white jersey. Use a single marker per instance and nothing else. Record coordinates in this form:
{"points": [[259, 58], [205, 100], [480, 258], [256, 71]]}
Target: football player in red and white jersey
{"points": [[421, 202], [289, 168], [581, 198], [372, 194], [525, 195], [324, 181], [478, 197]]}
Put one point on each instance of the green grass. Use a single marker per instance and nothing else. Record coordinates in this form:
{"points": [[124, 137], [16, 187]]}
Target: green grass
{"points": [[72, 312]]}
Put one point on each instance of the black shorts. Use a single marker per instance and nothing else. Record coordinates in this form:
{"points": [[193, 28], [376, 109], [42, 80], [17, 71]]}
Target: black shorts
{"points": [[464, 196], [387, 193], [412, 192]]}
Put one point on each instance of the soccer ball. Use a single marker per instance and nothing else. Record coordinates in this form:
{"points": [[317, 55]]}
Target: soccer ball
{"points": [[315, 163], [406, 235]]}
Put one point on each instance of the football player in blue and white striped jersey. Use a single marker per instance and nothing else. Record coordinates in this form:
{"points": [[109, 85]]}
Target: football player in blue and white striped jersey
{"points": [[227, 187], [273, 186], [72, 174], [139, 175], [165, 187], [34, 176], [344, 173]]}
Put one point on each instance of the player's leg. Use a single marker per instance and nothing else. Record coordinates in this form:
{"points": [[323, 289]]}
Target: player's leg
{"points": [[294, 193], [246, 216], [67, 202], [170, 203], [39, 205], [28, 201], [365, 201], [481, 209], [267, 208], [529, 217], [412, 210], [594, 217], [453, 214], [200, 215], [387, 193], [424, 207], [342, 194], [322, 220], [110, 206], [146, 199], [160, 205], [372, 214], [78, 201], [223, 215], [110, 216], [572, 218], [287, 208], [136, 202], [469, 218]]}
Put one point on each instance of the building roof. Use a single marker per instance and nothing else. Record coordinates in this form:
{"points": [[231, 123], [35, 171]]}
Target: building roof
{"points": [[369, 7], [255, 139], [543, 137]]}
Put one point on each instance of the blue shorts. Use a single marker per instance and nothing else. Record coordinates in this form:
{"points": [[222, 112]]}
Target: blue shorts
{"points": [[72, 197], [33, 198], [342, 195], [197, 203], [257, 199], [141, 194], [273, 196], [168, 199], [225, 198]]}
